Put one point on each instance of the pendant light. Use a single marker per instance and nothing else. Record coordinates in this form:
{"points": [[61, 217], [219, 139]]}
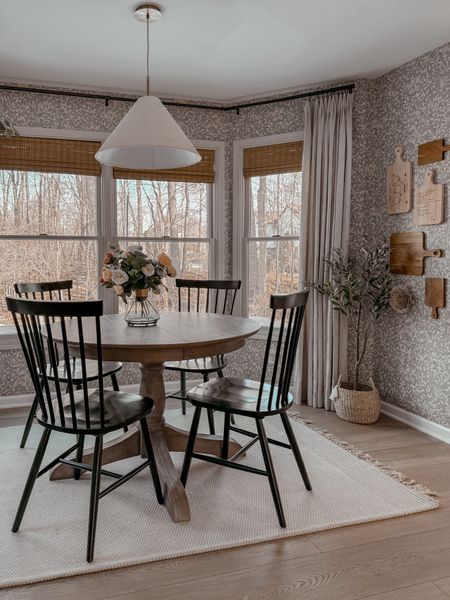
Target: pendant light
{"points": [[148, 137]]}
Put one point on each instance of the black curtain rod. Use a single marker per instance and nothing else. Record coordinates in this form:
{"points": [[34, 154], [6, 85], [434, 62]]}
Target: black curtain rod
{"points": [[108, 98]]}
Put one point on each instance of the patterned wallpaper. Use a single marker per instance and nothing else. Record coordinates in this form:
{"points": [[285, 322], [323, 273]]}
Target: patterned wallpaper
{"points": [[408, 106], [29, 110], [411, 353]]}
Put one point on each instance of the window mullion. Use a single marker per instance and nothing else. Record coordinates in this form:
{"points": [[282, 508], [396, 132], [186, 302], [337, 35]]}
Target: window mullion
{"points": [[108, 231]]}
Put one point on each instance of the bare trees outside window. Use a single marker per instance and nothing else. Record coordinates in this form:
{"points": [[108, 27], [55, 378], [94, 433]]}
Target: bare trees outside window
{"points": [[274, 204], [48, 231], [171, 217]]}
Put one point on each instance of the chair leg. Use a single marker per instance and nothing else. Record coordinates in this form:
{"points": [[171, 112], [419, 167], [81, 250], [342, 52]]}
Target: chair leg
{"points": [[296, 450], [151, 456], [210, 412], [29, 423], [212, 427], [220, 376], [183, 391], [190, 445], [31, 478], [270, 472], [114, 383], [95, 490], [226, 435], [79, 456], [116, 388]]}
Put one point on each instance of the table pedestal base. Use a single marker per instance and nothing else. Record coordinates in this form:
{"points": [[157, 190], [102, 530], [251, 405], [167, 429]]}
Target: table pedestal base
{"points": [[165, 439]]}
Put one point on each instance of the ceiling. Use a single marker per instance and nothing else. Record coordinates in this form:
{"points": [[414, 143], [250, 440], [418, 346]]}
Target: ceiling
{"points": [[215, 49]]}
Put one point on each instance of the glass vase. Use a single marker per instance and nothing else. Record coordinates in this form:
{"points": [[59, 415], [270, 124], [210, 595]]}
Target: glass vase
{"points": [[140, 310]]}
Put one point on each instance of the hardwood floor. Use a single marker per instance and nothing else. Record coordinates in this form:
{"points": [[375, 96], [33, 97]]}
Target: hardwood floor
{"points": [[407, 558]]}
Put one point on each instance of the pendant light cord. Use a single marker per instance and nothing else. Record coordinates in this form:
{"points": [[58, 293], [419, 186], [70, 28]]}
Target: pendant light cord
{"points": [[148, 52]]}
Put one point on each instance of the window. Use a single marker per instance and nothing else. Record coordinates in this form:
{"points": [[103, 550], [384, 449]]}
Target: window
{"points": [[48, 215], [170, 211], [267, 245], [59, 208], [170, 217]]}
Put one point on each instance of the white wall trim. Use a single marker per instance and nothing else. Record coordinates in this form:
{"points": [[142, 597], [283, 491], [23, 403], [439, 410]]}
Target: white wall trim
{"points": [[420, 423], [65, 134], [8, 338], [218, 224], [239, 204]]}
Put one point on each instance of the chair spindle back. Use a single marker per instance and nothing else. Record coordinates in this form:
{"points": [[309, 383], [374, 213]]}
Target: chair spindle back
{"points": [[290, 308], [207, 295], [45, 290], [39, 319]]}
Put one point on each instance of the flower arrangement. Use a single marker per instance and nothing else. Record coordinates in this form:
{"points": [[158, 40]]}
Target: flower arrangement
{"points": [[129, 270]]}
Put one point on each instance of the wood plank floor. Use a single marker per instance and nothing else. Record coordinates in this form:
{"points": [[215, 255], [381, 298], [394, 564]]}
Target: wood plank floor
{"points": [[407, 558]]}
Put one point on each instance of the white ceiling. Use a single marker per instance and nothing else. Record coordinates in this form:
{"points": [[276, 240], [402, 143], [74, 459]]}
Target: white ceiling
{"points": [[215, 49]]}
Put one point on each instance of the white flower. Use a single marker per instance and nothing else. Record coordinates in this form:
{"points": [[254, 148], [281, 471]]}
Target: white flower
{"points": [[134, 248], [106, 274], [148, 270], [119, 277]]}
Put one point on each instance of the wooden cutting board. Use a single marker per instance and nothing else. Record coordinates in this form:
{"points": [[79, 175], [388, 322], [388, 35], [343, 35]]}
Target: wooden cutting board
{"points": [[431, 152], [399, 184], [429, 202], [435, 294], [407, 253]]}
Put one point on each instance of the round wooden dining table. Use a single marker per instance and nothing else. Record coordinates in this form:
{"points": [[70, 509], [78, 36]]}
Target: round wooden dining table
{"points": [[177, 336]]}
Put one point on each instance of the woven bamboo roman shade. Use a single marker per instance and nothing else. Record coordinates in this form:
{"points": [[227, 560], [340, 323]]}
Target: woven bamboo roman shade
{"points": [[49, 155], [270, 160], [202, 172]]}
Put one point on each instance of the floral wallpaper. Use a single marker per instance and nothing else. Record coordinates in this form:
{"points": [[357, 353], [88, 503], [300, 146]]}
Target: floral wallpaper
{"points": [[411, 353], [32, 110], [409, 356], [29, 110]]}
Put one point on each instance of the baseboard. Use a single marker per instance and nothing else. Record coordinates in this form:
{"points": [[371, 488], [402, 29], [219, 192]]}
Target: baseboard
{"points": [[420, 423], [15, 406], [19, 405]]}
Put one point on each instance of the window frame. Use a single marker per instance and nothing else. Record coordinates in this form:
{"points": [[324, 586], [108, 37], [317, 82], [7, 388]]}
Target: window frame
{"points": [[241, 196], [107, 217]]}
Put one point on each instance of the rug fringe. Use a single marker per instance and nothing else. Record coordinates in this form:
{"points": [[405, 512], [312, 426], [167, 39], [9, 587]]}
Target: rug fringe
{"points": [[361, 454]]}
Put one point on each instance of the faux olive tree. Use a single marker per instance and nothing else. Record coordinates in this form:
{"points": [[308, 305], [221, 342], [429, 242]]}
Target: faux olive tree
{"points": [[359, 287]]}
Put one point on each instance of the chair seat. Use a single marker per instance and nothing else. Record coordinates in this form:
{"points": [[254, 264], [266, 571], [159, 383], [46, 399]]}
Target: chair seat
{"points": [[77, 376], [240, 396], [121, 408], [209, 364]]}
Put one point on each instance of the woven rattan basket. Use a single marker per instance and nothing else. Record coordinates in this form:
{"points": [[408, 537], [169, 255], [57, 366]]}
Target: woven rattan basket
{"points": [[357, 406]]}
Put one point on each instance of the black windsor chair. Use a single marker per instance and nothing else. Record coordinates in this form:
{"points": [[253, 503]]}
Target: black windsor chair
{"points": [[257, 400], [81, 412], [198, 295], [61, 290]]}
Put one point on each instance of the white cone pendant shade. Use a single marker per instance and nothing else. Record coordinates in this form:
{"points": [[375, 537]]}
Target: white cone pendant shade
{"points": [[148, 138]]}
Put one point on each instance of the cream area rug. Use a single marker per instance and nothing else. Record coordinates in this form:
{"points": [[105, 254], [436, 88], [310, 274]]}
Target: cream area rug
{"points": [[229, 508]]}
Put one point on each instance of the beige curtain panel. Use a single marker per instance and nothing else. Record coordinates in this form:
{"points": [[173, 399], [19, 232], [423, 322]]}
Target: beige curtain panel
{"points": [[326, 187], [49, 155], [202, 172], [270, 160]]}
